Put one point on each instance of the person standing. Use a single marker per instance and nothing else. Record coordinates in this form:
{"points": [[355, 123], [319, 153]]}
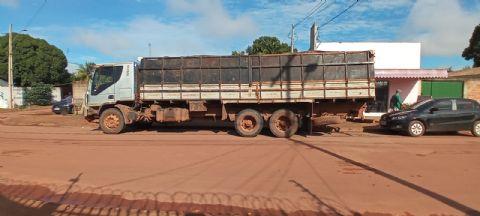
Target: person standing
{"points": [[396, 101]]}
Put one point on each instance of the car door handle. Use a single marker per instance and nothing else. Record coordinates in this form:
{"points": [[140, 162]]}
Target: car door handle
{"points": [[111, 97]]}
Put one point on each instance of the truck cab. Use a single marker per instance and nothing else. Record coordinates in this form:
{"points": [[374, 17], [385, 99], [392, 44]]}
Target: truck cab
{"points": [[110, 84]]}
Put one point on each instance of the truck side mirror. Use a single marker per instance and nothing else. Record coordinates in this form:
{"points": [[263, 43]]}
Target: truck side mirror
{"points": [[433, 109]]}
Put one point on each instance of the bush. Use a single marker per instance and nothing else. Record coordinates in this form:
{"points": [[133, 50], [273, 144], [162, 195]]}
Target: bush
{"points": [[39, 94]]}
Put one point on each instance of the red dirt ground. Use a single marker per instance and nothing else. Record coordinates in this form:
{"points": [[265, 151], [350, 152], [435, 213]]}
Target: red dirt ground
{"points": [[62, 165]]}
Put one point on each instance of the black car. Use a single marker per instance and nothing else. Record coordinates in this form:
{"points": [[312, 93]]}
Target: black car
{"points": [[65, 106], [450, 114]]}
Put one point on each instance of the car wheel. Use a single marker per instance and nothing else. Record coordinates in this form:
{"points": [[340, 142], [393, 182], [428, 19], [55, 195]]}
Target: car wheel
{"points": [[248, 123], [283, 123], [416, 128], [476, 128], [111, 121]]}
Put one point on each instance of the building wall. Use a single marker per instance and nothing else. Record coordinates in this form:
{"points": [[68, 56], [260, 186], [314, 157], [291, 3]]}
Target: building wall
{"points": [[387, 55], [411, 89], [19, 93], [17, 96], [56, 94], [79, 88], [471, 89]]}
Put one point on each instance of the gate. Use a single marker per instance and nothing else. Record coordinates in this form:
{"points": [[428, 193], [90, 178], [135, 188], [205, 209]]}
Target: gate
{"points": [[442, 88]]}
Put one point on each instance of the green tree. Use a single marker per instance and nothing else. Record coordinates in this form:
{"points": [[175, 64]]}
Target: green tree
{"points": [[265, 45], [84, 72], [34, 61], [473, 49], [39, 94], [238, 53]]}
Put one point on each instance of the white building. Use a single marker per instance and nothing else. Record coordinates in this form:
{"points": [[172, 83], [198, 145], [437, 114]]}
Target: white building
{"points": [[397, 66]]}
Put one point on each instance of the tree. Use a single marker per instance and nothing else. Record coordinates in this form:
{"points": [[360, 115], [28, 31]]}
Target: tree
{"points": [[84, 71], [265, 45], [34, 61], [238, 53], [473, 50], [39, 94]]}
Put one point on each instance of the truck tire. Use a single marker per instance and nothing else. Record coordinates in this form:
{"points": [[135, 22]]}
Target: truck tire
{"points": [[283, 123], [111, 121], [416, 128], [248, 123], [476, 128]]}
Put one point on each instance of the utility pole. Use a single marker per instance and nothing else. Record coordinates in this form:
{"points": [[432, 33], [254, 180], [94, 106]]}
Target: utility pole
{"points": [[11, 104], [291, 38], [313, 37]]}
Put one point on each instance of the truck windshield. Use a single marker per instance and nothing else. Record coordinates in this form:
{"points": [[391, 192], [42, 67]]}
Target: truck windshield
{"points": [[104, 77]]}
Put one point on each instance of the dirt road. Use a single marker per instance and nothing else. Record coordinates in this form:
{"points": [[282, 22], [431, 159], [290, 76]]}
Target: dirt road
{"points": [[70, 166]]}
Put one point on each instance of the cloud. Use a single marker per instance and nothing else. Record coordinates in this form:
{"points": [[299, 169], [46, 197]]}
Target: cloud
{"points": [[364, 22], [9, 3], [442, 26], [199, 27], [213, 18]]}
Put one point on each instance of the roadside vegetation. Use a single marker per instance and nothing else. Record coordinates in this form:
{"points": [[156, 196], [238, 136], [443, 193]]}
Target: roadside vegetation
{"points": [[265, 45]]}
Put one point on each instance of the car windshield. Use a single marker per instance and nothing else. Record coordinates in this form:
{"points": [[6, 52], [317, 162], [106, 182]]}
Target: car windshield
{"points": [[420, 104]]}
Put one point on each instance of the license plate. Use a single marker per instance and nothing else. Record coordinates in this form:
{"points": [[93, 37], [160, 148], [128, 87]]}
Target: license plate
{"points": [[56, 108]]}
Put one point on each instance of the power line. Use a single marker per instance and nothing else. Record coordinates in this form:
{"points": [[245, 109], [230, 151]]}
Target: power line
{"points": [[314, 10], [339, 14], [311, 12], [30, 21]]}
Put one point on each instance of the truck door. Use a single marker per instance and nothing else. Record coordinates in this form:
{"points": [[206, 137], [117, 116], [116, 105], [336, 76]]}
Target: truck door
{"points": [[102, 88]]}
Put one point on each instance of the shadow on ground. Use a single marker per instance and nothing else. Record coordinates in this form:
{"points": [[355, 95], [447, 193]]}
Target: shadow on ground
{"points": [[25, 199], [422, 190]]}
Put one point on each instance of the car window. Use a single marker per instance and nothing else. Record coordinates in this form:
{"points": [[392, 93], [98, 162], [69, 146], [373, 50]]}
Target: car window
{"points": [[464, 105], [444, 105]]}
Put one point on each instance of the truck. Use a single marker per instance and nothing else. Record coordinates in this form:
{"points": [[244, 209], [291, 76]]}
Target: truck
{"points": [[282, 92]]}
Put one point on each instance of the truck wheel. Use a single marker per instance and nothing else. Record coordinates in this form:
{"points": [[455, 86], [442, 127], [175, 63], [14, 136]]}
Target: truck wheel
{"points": [[283, 123], [476, 128], [248, 123], [416, 128], [111, 121]]}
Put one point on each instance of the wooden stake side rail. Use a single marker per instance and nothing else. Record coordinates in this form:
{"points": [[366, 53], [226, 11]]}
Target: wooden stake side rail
{"points": [[330, 75]]}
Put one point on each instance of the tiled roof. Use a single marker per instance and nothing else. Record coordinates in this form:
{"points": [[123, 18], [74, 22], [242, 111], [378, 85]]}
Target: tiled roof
{"points": [[411, 73]]}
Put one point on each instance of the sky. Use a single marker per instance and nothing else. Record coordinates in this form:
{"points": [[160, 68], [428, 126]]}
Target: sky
{"points": [[103, 31]]}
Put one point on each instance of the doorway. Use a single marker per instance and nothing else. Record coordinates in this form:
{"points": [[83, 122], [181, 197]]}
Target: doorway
{"points": [[381, 97]]}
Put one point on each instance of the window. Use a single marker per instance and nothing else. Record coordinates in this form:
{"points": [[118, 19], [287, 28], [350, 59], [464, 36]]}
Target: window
{"points": [[105, 77], [444, 105], [463, 105]]}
